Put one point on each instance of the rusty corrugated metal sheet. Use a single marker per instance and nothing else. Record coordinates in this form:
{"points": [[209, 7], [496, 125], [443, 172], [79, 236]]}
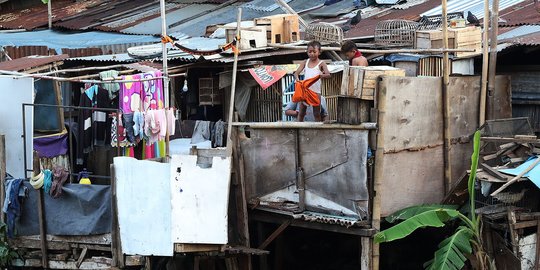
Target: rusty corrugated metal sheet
{"points": [[30, 62], [23, 51], [521, 14], [36, 17], [366, 27]]}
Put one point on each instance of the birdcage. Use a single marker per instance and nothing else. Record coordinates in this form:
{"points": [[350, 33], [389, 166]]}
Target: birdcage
{"points": [[324, 32], [395, 32]]}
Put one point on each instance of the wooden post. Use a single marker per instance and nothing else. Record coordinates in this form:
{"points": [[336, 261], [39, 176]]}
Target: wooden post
{"points": [[446, 101], [2, 174], [379, 172], [165, 68], [365, 253], [492, 69], [233, 85], [116, 244], [41, 215], [485, 60]]}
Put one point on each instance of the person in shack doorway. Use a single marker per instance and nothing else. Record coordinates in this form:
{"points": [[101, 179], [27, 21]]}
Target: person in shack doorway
{"points": [[293, 109], [353, 54], [308, 91]]}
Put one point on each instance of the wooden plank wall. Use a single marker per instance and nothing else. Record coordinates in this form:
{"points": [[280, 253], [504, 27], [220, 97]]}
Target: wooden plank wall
{"points": [[265, 105], [411, 123]]}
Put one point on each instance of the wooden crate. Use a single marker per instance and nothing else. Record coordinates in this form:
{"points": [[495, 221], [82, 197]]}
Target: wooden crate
{"points": [[332, 86], [347, 110], [458, 38], [209, 94], [250, 39], [283, 28], [361, 82], [265, 105]]}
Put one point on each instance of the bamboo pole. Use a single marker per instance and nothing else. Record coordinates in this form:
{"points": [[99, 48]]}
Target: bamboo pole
{"points": [[61, 79], [436, 51], [36, 169], [379, 173], [233, 86], [49, 13], [80, 69], [446, 101], [492, 67], [485, 60], [165, 71]]}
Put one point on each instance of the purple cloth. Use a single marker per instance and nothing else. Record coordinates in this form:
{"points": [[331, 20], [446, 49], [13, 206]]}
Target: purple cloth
{"points": [[51, 146]]}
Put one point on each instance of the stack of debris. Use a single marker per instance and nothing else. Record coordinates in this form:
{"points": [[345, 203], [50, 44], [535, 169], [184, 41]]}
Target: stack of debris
{"points": [[508, 179]]}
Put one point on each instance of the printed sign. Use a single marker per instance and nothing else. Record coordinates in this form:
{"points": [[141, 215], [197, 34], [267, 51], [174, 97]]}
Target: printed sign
{"points": [[268, 75]]}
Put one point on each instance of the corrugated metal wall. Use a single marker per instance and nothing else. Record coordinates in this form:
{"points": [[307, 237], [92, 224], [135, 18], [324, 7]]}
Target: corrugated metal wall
{"points": [[526, 96]]}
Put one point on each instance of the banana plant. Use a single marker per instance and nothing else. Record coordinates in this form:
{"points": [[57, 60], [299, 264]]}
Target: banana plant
{"points": [[455, 250]]}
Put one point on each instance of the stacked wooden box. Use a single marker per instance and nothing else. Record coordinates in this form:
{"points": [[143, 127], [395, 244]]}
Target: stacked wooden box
{"points": [[458, 38], [283, 28], [353, 102], [252, 37]]}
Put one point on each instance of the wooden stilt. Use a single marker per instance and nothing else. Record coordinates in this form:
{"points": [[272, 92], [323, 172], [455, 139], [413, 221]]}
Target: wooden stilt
{"points": [[485, 60]]}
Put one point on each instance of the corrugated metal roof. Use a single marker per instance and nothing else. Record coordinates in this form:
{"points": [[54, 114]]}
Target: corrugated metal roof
{"points": [[30, 62], [327, 219], [113, 42], [36, 17], [476, 7], [120, 58], [263, 5], [519, 31], [523, 13]]}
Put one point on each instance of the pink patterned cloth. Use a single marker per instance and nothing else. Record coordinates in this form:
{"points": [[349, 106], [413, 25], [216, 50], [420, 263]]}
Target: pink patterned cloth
{"points": [[141, 96]]}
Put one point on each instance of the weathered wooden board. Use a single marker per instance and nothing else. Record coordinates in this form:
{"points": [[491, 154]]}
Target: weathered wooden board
{"points": [[499, 105], [411, 178], [413, 117], [464, 95]]}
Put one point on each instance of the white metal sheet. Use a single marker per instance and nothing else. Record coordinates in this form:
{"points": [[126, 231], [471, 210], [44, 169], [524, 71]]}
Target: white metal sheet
{"points": [[144, 206], [199, 199], [17, 91]]}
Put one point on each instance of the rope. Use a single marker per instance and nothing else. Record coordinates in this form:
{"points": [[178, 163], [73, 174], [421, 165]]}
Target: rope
{"points": [[37, 180], [231, 45]]}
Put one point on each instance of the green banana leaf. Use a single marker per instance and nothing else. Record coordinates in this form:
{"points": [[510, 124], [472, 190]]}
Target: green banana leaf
{"points": [[415, 210], [472, 177], [452, 251], [45, 1], [430, 218]]}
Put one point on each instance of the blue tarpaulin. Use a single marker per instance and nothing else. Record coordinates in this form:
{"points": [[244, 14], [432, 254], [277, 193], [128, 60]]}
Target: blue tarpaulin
{"points": [[71, 40], [533, 175]]}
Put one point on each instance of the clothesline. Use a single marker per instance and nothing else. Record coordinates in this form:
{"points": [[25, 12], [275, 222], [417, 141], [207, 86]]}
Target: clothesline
{"points": [[61, 79]]}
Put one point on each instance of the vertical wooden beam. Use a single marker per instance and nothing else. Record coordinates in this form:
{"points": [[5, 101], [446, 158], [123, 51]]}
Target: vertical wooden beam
{"points": [[485, 60], [2, 174], [116, 244], [365, 253], [49, 13], [492, 67], [446, 101], [537, 258], [41, 214]]}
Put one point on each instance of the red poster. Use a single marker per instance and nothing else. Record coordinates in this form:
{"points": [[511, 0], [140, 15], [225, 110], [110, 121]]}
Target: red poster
{"points": [[268, 75]]}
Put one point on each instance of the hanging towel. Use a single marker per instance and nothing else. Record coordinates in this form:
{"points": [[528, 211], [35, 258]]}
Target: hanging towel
{"points": [[112, 88], [302, 93], [201, 132]]}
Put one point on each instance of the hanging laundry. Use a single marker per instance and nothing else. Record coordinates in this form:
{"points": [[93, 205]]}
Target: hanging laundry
{"points": [[60, 176], [201, 132], [93, 124], [128, 123], [141, 96], [51, 146], [138, 128], [47, 181], [152, 91], [15, 193], [118, 133], [171, 121], [218, 133], [112, 88]]}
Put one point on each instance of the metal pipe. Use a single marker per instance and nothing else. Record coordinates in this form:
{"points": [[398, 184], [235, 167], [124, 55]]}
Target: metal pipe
{"points": [[305, 125]]}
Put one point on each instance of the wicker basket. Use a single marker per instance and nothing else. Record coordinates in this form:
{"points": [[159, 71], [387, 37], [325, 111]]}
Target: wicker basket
{"points": [[395, 32], [324, 32]]}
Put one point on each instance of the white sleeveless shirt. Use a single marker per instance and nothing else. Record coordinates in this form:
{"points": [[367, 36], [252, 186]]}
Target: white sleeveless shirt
{"points": [[313, 72]]}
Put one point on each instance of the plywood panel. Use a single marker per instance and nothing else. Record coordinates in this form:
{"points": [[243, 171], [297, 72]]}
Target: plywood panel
{"points": [[413, 113], [464, 94], [269, 160], [17, 91], [411, 178], [144, 206], [199, 198], [499, 104]]}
